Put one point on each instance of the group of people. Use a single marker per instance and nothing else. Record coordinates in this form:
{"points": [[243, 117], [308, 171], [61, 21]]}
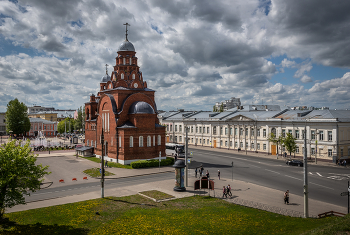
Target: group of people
{"points": [[226, 191], [201, 170]]}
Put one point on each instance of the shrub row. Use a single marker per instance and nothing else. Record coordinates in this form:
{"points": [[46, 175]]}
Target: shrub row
{"points": [[152, 163]]}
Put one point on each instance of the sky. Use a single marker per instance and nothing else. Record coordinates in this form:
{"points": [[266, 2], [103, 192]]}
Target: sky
{"points": [[193, 53]]}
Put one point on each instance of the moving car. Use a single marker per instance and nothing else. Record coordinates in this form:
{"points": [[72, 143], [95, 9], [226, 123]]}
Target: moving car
{"points": [[294, 163]]}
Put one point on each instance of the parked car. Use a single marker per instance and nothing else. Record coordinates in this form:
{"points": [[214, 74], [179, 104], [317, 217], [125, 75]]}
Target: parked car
{"points": [[294, 163]]}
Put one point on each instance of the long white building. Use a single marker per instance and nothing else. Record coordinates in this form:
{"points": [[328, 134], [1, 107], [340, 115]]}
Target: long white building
{"points": [[248, 129]]}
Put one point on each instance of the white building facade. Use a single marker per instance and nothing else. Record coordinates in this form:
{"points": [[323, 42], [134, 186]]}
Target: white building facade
{"points": [[248, 129]]}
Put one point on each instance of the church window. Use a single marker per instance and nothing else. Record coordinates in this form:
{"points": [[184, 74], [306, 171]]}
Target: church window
{"points": [[141, 141], [154, 140], [122, 76], [92, 143], [120, 141], [159, 140], [149, 142], [131, 141], [133, 76], [124, 61], [130, 62]]}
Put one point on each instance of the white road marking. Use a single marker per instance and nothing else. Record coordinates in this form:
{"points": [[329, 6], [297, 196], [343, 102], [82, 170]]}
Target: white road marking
{"points": [[310, 173], [319, 174], [321, 185], [272, 171], [293, 177]]}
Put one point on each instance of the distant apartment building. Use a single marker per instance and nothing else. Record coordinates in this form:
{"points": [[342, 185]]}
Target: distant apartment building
{"points": [[45, 127], [2, 124], [228, 104]]}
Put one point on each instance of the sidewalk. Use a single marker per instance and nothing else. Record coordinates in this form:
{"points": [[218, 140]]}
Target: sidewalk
{"points": [[244, 193]]}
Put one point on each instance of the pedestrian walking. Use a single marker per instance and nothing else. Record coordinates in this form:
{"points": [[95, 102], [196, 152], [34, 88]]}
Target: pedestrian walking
{"points": [[175, 157], [201, 170], [106, 164], [224, 192], [229, 191], [286, 197], [207, 174], [345, 163], [219, 174], [195, 171]]}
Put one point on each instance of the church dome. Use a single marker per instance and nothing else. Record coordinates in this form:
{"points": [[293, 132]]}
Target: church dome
{"points": [[126, 46], [106, 78], [141, 107]]}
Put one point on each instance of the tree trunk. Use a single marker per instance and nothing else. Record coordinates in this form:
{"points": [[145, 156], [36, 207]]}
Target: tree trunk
{"points": [[2, 201]]}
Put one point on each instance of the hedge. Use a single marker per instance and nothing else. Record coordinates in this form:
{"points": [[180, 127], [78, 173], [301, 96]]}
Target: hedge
{"points": [[152, 163]]}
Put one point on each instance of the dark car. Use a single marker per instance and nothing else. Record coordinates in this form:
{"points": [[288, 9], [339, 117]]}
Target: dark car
{"points": [[294, 163]]}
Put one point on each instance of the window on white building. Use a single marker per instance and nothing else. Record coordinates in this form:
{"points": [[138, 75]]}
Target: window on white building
{"points": [[330, 137], [297, 134], [321, 135], [208, 130], [258, 146], [264, 146], [313, 135], [180, 128], [264, 133], [330, 153]]}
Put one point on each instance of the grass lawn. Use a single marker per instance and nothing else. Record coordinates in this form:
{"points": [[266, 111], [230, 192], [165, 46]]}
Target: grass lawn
{"points": [[110, 164], [155, 194], [95, 172], [139, 215]]}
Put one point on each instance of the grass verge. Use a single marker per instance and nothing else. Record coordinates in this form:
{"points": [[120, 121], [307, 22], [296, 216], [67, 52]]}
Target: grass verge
{"points": [[95, 172], [155, 194], [139, 215], [110, 164]]}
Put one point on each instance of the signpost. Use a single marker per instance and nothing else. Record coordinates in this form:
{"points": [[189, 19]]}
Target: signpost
{"points": [[160, 155], [347, 194]]}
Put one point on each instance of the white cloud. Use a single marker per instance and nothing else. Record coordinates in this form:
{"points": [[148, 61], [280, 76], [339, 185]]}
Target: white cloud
{"points": [[192, 53]]}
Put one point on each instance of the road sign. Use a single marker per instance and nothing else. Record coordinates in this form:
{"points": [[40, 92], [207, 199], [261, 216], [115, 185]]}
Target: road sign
{"points": [[189, 160], [191, 153], [344, 194]]}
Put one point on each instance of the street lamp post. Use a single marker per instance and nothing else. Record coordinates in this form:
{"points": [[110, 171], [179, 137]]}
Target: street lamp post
{"points": [[102, 160], [186, 152], [306, 202]]}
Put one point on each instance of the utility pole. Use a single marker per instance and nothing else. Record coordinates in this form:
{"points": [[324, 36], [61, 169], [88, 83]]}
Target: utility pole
{"points": [[186, 151], [102, 164], [306, 202]]}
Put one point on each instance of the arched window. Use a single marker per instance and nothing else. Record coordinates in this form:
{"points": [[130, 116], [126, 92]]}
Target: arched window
{"points": [[141, 141], [131, 142], [159, 140], [133, 76], [124, 61], [154, 140], [122, 76], [92, 143], [130, 62], [273, 130], [149, 141]]}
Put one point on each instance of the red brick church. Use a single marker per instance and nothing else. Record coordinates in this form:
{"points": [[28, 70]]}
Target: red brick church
{"points": [[126, 111]]}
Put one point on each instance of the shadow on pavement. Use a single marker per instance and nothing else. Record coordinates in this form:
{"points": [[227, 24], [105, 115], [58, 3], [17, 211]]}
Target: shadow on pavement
{"points": [[118, 200]]}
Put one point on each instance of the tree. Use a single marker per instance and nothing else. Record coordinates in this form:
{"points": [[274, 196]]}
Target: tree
{"points": [[289, 143], [79, 122], [215, 109], [17, 119], [64, 125], [18, 174], [221, 108]]}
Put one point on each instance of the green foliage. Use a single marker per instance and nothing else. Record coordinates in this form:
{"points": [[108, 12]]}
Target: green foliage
{"points": [[139, 215], [95, 172], [289, 143], [17, 119], [18, 174], [221, 108], [64, 125], [79, 122], [152, 163]]}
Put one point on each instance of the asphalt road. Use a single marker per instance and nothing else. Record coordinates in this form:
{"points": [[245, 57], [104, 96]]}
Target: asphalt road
{"points": [[81, 188], [325, 182]]}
